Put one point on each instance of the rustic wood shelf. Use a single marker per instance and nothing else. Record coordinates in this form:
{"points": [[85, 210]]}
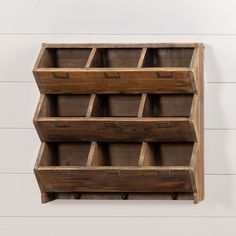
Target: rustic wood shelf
{"points": [[120, 121]]}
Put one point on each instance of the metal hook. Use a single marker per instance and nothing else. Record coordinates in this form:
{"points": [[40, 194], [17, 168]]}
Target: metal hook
{"points": [[77, 195], [174, 196], [125, 196]]}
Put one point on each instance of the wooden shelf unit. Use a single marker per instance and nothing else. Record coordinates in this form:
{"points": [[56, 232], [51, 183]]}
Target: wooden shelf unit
{"points": [[120, 121]]}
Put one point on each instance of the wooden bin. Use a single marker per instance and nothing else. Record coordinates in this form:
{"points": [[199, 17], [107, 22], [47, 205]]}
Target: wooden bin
{"points": [[105, 117], [81, 168], [120, 121], [104, 68]]}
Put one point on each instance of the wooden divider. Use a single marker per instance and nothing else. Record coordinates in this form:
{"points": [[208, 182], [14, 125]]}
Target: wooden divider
{"points": [[145, 106], [146, 156], [95, 155], [91, 105], [90, 58], [142, 56]]}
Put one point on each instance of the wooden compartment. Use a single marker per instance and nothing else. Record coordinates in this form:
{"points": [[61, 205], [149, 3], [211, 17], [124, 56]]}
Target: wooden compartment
{"points": [[64, 105], [167, 105], [65, 154], [115, 168], [113, 118], [64, 58], [116, 57], [168, 57], [168, 154], [117, 154], [117, 68], [116, 105]]}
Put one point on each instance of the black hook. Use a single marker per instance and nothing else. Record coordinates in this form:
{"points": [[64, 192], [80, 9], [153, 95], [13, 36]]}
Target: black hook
{"points": [[125, 196], [174, 196], [77, 195]]}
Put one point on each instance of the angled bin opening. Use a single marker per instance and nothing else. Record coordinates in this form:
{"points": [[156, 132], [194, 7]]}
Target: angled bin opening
{"points": [[168, 154], [168, 57], [116, 105], [65, 105], [117, 154], [65, 154], [116, 57], [64, 58], [167, 105]]}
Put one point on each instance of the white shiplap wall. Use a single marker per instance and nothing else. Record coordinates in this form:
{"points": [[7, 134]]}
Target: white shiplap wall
{"points": [[25, 24]]}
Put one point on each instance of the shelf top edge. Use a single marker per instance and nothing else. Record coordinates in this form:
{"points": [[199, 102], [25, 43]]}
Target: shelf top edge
{"points": [[121, 45], [120, 69], [102, 168], [118, 119]]}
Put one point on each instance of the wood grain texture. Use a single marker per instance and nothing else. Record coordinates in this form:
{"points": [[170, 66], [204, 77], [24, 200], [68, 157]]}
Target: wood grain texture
{"points": [[101, 164], [129, 83], [119, 66], [25, 187], [218, 99], [219, 143], [219, 151], [72, 170], [115, 129], [84, 180]]}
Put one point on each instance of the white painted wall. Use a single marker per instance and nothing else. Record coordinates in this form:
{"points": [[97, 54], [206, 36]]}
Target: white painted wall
{"points": [[25, 24]]}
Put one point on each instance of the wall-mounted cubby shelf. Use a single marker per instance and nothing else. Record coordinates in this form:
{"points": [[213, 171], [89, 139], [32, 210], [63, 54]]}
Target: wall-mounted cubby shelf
{"points": [[120, 121]]}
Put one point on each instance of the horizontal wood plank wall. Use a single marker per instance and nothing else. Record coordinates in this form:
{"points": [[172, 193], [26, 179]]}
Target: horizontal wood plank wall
{"points": [[31, 22], [60, 225], [151, 17]]}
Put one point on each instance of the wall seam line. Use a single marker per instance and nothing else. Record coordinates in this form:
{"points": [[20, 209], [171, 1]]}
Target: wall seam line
{"points": [[116, 34], [120, 216]]}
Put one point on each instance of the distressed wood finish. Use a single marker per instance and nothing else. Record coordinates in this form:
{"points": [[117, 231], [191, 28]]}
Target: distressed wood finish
{"points": [[115, 167], [115, 118], [104, 68], [115, 129], [120, 121]]}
